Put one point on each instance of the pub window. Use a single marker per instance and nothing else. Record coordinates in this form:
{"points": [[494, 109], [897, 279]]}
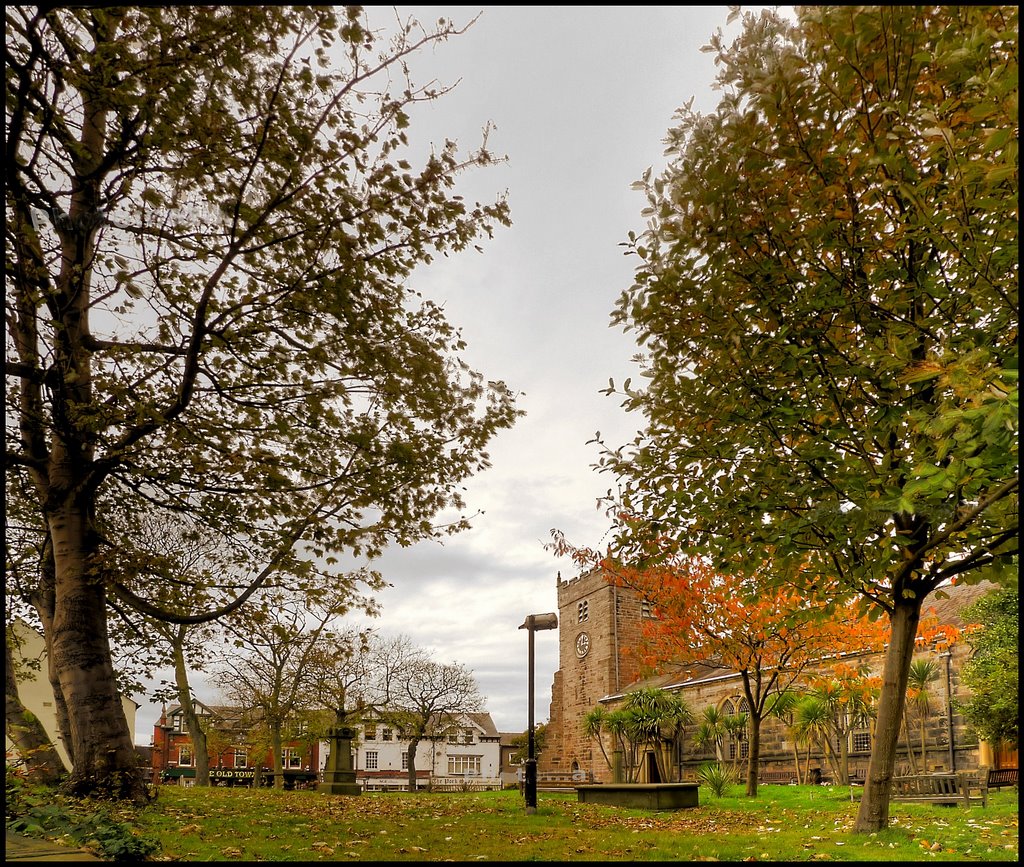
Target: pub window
{"points": [[385, 734], [467, 736], [453, 737], [371, 761], [464, 765], [291, 759], [185, 756], [176, 722], [646, 608], [582, 611], [241, 757], [370, 733], [405, 761]]}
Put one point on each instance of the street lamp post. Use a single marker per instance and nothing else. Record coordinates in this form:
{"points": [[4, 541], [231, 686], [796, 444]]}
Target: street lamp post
{"points": [[532, 623]]}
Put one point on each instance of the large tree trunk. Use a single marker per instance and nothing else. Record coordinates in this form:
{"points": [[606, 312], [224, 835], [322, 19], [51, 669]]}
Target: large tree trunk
{"points": [[195, 731], [42, 761], [874, 805], [411, 777], [276, 754], [105, 762], [754, 757]]}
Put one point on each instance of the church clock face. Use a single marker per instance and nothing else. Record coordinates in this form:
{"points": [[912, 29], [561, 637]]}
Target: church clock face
{"points": [[582, 644]]}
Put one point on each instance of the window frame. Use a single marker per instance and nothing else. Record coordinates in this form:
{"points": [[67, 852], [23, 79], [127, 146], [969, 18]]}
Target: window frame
{"points": [[471, 765]]}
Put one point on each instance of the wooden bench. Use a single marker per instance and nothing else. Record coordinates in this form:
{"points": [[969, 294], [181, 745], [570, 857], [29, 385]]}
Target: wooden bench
{"points": [[950, 789], [999, 777], [785, 778]]}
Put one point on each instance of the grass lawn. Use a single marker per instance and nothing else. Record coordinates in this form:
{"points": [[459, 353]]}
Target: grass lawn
{"points": [[785, 823]]}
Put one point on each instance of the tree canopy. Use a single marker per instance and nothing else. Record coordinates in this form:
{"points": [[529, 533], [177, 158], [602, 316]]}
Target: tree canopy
{"points": [[213, 215], [826, 300]]}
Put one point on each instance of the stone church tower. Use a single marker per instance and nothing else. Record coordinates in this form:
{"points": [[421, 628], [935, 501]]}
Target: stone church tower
{"points": [[599, 625]]}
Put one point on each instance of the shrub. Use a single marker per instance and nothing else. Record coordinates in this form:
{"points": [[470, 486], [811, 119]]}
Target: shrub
{"points": [[716, 777], [39, 811]]}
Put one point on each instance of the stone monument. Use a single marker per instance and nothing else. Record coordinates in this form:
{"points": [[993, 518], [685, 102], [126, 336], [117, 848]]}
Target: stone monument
{"points": [[339, 775]]}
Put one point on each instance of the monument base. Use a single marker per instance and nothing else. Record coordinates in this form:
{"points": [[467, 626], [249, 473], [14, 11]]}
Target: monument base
{"points": [[339, 788]]}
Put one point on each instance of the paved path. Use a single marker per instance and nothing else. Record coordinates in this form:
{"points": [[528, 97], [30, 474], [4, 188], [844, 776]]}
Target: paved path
{"points": [[20, 848]]}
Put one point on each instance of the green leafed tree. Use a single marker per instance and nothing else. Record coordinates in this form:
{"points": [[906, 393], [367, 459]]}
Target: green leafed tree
{"points": [[993, 672], [826, 300], [213, 214]]}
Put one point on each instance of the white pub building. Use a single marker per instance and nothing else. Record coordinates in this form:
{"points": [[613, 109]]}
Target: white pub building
{"points": [[463, 754]]}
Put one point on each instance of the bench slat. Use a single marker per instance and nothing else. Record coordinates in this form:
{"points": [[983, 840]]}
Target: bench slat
{"points": [[939, 789]]}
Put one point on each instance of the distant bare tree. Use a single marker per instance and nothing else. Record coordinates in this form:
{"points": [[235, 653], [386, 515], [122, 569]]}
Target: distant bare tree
{"points": [[268, 670], [419, 696]]}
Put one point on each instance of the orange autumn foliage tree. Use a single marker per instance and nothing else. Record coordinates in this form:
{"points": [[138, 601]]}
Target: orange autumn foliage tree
{"points": [[767, 634]]}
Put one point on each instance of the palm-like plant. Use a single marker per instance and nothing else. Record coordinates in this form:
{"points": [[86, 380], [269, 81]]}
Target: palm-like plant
{"points": [[781, 706], [711, 732], [656, 720], [594, 727], [812, 720], [922, 673], [616, 724], [736, 726], [716, 777]]}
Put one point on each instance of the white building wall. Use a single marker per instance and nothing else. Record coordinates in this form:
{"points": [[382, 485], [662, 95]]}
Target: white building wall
{"points": [[35, 692], [431, 755]]}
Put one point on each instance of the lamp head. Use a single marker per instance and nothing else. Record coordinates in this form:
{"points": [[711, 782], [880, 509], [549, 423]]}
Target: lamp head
{"points": [[540, 621]]}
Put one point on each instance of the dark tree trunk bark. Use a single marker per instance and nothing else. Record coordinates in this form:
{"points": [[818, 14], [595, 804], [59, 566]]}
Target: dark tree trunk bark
{"points": [[873, 814], [200, 754], [276, 754], [105, 762], [411, 778], [754, 758]]}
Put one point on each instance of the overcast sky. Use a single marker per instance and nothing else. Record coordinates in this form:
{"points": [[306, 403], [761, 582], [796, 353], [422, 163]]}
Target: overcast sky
{"points": [[581, 98]]}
